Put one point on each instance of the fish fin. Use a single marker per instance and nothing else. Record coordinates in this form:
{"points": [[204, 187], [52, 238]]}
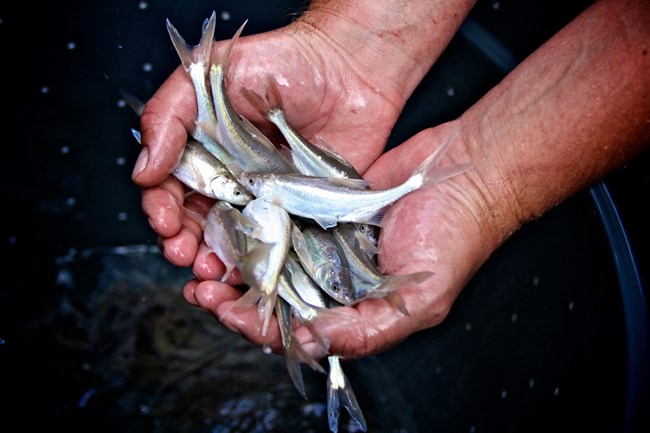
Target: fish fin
{"points": [[325, 147], [197, 217], [248, 299], [137, 135], [340, 392], [349, 182], [326, 224], [273, 97], [377, 217], [302, 251], [255, 132], [225, 59], [256, 100], [200, 53], [387, 289], [365, 244], [133, 101], [428, 173]]}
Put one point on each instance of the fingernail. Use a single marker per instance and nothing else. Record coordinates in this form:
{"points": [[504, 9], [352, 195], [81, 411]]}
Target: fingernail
{"points": [[140, 163]]}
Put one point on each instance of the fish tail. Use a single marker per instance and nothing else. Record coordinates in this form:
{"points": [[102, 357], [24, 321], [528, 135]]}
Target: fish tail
{"points": [[265, 308], [273, 93], [200, 54], [340, 393], [428, 172], [133, 101], [225, 58], [257, 101], [387, 289]]}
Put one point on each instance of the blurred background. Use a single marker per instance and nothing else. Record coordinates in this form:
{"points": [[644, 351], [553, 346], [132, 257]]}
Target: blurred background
{"points": [[551, 335]]}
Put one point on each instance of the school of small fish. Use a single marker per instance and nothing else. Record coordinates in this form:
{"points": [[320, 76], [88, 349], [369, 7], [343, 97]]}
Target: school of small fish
{"points": [[299, 222]]}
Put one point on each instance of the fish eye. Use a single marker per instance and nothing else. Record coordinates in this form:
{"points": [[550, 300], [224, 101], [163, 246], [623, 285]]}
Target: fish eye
{"points": [[362, 228], [251, 180], [334, 287], [237, 193]]}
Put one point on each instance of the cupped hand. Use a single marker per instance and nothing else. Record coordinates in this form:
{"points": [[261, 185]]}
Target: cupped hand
{"points": [[435, 229], [324, 93]]}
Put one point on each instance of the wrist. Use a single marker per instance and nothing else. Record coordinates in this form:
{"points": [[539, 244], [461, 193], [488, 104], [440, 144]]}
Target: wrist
{"points": [[391, 45]]}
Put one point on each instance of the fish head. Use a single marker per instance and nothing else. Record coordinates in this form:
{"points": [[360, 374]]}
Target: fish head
{"points": [[260, 184], [334, 285], [230, 190]]}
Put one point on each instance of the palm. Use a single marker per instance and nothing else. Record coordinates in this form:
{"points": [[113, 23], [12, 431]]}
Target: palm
{"points": [[322, 95]]}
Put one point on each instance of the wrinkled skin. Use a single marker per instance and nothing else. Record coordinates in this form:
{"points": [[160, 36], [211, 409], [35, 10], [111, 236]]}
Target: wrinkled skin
{"points": [[450, 228]]}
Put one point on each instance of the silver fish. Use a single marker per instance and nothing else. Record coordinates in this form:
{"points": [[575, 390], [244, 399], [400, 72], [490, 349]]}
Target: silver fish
{"points": [[196, 60], [274, 230], [329, 201], [309, 159], [368, 280], [224, 233], [339, 389], [249, 147], [203, 172], [325, 262]]}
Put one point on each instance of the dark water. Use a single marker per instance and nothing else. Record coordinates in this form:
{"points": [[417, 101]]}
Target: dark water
{"points": [[95, 335]]}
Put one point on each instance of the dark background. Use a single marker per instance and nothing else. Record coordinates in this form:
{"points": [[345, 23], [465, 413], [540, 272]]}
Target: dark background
{"points": [[68, 202]]}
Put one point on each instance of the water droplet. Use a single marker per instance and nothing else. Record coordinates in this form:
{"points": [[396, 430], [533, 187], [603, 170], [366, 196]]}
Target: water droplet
{"points": [[122, 216], [120, 161], [468, 326], [571, 306], [65, 150], [472, 429], [556, 391], [71, 45], [450, 91], [147, 67], [143, 5], [531, 383], [504, 394], [121, 103], [267, 349], [514, 317], [225, 15], [144, 409], [535, 280], [71, 201], [45, 90]]}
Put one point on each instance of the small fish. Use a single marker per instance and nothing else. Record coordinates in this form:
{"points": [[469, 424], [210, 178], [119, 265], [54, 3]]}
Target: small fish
{"points": [[274, 229], [339, 389], [368, 280], [202, 172], [310, 159], [249, 147], [325, 262], [224, 232], [196, 60], [329, 201]]}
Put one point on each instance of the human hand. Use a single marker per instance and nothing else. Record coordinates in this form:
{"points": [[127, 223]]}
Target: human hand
{"points": [[323, 93], [435, 229]]}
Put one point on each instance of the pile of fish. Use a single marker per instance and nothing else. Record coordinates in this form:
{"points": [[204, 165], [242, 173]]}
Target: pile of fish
{"points": [[297, 220]]}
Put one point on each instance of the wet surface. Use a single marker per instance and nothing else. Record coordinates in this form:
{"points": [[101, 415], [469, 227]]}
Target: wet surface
{"points": [[95, 335]]}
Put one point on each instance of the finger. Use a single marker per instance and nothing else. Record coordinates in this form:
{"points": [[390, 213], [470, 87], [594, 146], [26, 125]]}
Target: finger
{"points": [[220, 298], [164, 123], [163, 206], [188, 291]]}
